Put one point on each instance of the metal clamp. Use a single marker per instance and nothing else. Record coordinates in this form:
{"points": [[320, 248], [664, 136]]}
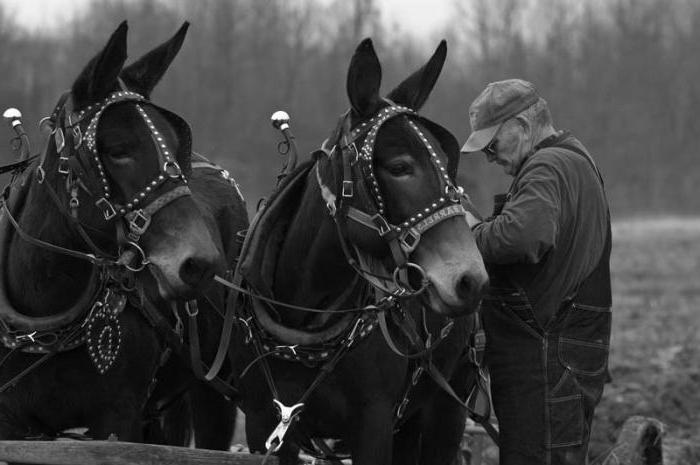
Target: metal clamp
{"points": [[287, 415], [353, 333], [249, 331], [292, 349], [29, 337]]}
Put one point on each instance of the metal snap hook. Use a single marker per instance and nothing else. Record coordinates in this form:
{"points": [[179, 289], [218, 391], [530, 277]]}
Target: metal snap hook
{"points": [[406, 287]]}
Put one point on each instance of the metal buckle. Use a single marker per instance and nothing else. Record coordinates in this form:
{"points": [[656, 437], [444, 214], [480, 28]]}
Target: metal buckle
{"points": [[108, 210], [139, 221], [409, 239], [347, 189], [479, 340], [382, 224], [63, 166]]}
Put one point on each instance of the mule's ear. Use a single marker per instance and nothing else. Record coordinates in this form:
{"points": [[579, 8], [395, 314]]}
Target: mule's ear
{"points": [[415, 89], [99, 77], [364, 78], [142, 75]]}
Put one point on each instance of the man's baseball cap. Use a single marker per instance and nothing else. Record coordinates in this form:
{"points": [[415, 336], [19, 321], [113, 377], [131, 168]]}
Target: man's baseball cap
{"points": [[499, 102]]}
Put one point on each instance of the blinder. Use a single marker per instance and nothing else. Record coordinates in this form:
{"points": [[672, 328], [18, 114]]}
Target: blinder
{"points": [[448, 143], [75, 138]]}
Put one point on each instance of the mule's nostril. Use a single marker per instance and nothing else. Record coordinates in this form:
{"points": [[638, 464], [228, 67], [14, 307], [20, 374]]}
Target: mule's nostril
{"points": [[465, 287], [195, 271], [469, 288]]}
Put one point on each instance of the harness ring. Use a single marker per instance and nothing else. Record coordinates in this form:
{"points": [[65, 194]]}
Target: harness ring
{"points": [[135, 251], [406, 287]]}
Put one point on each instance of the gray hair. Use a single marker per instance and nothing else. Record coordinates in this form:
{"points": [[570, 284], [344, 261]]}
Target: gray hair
{"points": [[537, 114]]}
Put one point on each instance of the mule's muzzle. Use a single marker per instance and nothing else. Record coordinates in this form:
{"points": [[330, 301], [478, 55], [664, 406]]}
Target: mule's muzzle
{"points": [[197, 272]]}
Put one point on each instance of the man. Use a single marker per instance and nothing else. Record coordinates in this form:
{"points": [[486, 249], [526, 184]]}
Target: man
{"points": [[547, 248]]}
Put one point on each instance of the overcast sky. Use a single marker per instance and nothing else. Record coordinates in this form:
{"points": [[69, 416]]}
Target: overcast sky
{"points": [[422, 17]]}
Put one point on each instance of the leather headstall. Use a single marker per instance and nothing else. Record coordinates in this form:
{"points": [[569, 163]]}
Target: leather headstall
{"points": [[75, 137], [402, 238]]}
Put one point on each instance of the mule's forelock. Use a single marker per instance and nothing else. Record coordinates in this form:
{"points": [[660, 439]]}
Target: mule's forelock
{"points": [[143, 75], [99, 77], [364, 79], [415, 89]]}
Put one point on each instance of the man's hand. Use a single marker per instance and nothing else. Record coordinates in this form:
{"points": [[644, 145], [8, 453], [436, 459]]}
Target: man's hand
{"points": [[471, 219], [472, 215]]}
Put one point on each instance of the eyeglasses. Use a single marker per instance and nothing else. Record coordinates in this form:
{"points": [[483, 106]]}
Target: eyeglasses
{"points": [[490, 149]]}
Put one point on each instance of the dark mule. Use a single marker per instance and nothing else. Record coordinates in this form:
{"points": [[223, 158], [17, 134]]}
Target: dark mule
{"points": [[386, 176], [125, 221]]}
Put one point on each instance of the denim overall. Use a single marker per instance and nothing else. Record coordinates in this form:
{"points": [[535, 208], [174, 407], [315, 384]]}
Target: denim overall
{"points": [[547, 379]]}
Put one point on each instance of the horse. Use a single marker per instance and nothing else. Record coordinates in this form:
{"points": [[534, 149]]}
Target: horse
{"points": [[101, 236], [378, 196]]}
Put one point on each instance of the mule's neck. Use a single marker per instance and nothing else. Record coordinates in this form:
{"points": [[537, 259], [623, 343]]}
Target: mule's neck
{"points": [[312, 270], [41, 282]]}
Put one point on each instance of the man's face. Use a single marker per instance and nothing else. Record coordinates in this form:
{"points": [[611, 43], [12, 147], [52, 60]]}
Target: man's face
{"points": [[508, 147]]}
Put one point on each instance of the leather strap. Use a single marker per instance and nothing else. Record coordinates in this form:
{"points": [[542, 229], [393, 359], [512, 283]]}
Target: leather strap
{"points": [[222, 349], [172, 339]]}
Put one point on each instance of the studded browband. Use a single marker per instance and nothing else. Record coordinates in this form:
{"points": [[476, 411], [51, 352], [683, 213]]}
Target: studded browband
{"points": [[75, 137], [407, 234]]}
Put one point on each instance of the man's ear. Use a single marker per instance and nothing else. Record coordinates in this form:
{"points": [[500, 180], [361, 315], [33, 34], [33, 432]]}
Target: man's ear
{"points": [[525, 125]]}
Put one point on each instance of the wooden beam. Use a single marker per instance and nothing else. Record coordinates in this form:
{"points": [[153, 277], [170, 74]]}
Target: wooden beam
{"points": [[118, 453]]}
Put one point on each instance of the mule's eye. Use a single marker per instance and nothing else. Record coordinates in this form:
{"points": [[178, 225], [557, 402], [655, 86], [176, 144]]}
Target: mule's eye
{"points": [[399, 168], [118, 152]]}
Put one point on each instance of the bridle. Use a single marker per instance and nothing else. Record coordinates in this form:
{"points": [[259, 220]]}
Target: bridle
{"points": [[74, 134], [403, 238]]}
